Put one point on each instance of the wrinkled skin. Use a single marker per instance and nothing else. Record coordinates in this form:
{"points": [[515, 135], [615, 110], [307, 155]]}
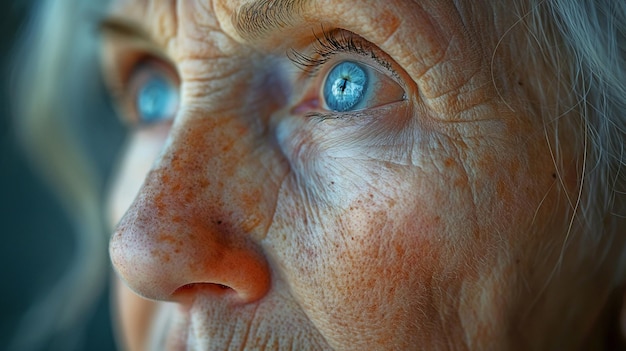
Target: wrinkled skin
{"points": [[424, 222]]}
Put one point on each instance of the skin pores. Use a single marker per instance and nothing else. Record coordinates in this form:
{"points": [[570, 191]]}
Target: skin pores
{"points": [[418, 223]]}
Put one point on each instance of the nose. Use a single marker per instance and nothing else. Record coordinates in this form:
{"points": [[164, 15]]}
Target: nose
{"points": [[197, 221]]}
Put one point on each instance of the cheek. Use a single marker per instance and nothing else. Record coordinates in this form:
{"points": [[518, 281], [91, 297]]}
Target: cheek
{"points": [[394, 248], [369, 257]]}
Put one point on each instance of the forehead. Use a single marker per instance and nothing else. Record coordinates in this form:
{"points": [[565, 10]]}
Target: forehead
{"points": [[420, 32]]}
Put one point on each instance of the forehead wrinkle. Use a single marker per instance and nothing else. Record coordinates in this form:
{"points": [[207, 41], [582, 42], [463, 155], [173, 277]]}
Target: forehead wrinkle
{"points": [[258, 18]]}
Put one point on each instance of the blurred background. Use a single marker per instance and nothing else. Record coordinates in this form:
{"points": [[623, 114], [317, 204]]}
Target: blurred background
{"points": [[37, 240]]}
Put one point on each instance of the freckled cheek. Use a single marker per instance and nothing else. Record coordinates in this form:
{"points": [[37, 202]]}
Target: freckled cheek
{"points": [[393, 244], [369, 263]]}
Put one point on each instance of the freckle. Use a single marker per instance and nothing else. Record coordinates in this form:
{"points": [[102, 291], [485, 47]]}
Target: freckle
{"points": [[515, 166], [188, 197], [399, 250], [166, 238], [371, 196], [159, 202], [459, 183], [177, 219], [388, 20], [554, 175], [448, 162]]}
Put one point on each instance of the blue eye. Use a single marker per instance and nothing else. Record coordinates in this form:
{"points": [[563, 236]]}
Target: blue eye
{"points": [[345, 86], [156, 99]]}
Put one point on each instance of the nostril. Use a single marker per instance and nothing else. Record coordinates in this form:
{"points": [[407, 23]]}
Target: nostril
{"points": [[188, 290], [163, 259], [202, 286]]}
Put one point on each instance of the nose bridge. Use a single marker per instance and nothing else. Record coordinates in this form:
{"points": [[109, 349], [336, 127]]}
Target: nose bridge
{"points": [[200, 213], [210, 170]]}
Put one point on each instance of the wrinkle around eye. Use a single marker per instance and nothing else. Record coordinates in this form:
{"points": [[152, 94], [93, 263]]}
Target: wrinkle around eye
{"points": [[207, 84], [391, 133], [194, 68]]}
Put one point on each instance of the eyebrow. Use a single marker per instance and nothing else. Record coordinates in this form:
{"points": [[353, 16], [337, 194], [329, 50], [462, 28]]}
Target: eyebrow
{"points": [[258, 18], [123, 27]]}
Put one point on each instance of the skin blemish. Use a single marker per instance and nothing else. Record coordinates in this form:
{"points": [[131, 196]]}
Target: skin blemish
{"points": [[161, 255], [166, 238]]}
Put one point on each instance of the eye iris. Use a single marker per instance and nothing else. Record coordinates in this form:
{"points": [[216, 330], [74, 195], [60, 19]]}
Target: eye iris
{"points": [[345, 86], [156, 100]]}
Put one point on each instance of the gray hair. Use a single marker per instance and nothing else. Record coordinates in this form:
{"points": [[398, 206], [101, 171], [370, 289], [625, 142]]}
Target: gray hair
{"points": [[584, 41]]}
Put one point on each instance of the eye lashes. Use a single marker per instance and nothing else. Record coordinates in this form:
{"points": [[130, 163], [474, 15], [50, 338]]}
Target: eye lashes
{"points": [[330, 44]]}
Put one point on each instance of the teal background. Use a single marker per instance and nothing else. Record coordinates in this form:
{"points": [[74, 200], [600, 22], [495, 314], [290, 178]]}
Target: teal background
{"points": [[36, 236]]}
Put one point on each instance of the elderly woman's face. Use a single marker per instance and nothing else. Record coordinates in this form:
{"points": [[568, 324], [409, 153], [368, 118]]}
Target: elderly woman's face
{"points": [[346, 175]]}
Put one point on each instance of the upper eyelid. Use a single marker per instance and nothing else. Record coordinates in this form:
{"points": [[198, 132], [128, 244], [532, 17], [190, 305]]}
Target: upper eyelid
{"points": [[123, 54], [130, 41], [338, 41]]}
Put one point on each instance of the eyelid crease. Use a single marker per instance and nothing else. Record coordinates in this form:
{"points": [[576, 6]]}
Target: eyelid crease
{"points": [[331, 43]]}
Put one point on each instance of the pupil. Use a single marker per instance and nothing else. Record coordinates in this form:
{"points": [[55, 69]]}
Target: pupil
{"points": [[344, 84]]}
